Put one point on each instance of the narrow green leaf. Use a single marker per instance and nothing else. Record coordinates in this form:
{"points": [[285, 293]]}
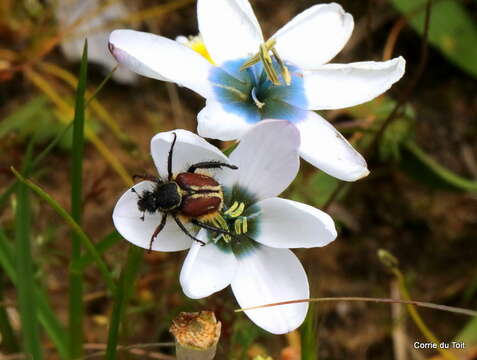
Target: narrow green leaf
{"points": [[425, 169], [45, 314], [76, 309], [452, 30], [87, 243], [125, 289], [101, 85], [102, 246], [7, 258], [24, 269], [9, 340], [309, 336]]}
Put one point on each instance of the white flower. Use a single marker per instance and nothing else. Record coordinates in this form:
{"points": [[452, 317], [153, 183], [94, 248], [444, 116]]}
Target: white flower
{"points": [[238, 99], [93, 28], [256, 261]]}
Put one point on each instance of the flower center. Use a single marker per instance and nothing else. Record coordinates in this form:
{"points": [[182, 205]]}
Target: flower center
{"points": [[240, 219], [232, 221], [269, 67], [262, 87]]}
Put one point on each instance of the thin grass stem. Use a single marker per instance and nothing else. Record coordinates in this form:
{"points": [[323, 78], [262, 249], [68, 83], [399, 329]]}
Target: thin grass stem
{"points": [[87, 243], [125, 288], [24, 269], [46, 315], [76, 308]]}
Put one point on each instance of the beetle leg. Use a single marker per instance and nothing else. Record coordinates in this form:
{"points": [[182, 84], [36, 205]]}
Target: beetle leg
{"points": [[158, 230], [184, 229], [211, 228], [146, 177], [210, 165], [169, 158]]}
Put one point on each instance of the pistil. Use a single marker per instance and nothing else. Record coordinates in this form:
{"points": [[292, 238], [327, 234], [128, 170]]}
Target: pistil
{"points": [[255, 99]]}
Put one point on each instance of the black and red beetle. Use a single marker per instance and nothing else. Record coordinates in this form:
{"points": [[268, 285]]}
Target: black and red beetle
{"points": [[187, 197]]}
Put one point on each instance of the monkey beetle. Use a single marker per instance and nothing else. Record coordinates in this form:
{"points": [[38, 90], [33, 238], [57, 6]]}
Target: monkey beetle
{"points": [[186, 197]]}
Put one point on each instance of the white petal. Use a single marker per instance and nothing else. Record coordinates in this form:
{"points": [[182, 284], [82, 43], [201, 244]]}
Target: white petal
{"points": [[229, 28], [267, 276], [267, 159], [207, 269], [126, 218], [314, 36], [336, 86], [67, 12], [161, 58], [324, 147], [188, 150], [216, 123], [290, 224]]}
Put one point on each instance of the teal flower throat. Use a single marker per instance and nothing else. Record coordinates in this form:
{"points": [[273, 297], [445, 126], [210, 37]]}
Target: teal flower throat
{"points": [[250, 93]]}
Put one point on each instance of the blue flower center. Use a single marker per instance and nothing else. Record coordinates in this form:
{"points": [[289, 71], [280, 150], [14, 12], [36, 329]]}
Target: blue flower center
{"points": [[250, 94]]}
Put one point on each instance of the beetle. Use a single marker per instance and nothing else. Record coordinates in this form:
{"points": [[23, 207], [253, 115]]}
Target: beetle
{"points": [[187, 197]]}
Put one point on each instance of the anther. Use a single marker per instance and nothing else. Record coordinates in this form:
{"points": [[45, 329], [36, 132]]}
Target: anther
{"points": [[263, 55], [237, 226], [232, 208], [244, 225]]}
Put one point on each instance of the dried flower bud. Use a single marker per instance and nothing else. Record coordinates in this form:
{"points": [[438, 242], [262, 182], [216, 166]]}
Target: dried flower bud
{"points": [[196, 334]]}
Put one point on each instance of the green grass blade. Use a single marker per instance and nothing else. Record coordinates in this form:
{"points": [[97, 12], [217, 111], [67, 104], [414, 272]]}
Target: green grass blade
{"points": [[9, 340], [424, 168], [309, 336], [76, 308], [86, 242], [102, 246], [24, 268], [7, 258], [45, 314], [101, 85], [125, 289]]}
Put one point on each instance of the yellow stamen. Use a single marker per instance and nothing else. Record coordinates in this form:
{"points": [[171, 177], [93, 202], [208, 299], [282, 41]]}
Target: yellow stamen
{"points": [[232, 208], [237, 225], [238, 211], [244, 225]]}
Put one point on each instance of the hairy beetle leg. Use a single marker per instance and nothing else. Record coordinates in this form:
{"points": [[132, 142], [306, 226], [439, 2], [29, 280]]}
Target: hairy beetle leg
{"points": [[211, 228], [210, 165], [157, 231], [184, 229]]}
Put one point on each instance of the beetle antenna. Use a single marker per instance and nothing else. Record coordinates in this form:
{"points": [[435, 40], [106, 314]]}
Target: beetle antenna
{"points": [[169, 158]]}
